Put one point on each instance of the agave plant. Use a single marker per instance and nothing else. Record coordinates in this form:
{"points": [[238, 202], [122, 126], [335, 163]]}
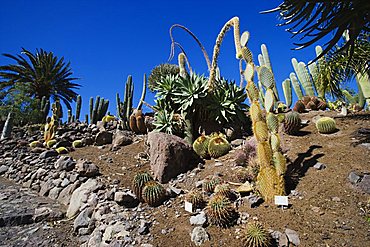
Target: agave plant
{"points": [[168, 122], [161, 71], [165, 87]]}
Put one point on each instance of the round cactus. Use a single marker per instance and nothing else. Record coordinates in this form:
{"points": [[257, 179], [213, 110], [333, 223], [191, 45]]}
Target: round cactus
{"points": [[220, 211], [35, 144], [225, 190], [209, 184], [153, 193], [326, 125], [255, 235], [299, 106], [77, 143], [138, 183], [218, 146], [195, 198], [292, 123], [200, 146], [51, 143], [61, 150]]}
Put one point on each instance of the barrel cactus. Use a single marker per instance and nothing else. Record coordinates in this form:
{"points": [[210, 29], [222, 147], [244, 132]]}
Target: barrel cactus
{"points": [[218, 146], [326, 125], [209, 184], [77, 143], [195, 198], [292, 123], [200, 146], [62, 150], [153, 193], [220, 211], [138, 183], [299, 106], [256, 235], [51, 143], [225, 190]]}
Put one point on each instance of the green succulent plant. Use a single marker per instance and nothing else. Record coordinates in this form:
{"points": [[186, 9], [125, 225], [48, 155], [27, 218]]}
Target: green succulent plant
{"points": [[165, 121], [225, 190], [218, 146], [292, 123], [220, 211], [62, 150], [153, 193], [138, 183], [326, 125], [200, 146], [209, 184], [51, 143], [256, 235], [195, 198], [161, 71], [77, 143]]}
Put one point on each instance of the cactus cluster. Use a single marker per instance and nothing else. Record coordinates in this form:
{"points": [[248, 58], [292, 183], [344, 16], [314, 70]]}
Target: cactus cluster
{"points": [[309, 103], [255, 235], [195, 198], [220, 211], [138, 183], [210, 183], [214, 145], [224, 189], [98, 110], [292, 123], [326, 125]]}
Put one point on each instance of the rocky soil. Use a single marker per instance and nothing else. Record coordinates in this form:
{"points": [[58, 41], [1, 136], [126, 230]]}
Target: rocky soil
{"points": [[328, 183]]}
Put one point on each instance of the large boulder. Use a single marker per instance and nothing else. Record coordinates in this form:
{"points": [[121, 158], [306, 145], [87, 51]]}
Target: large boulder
{"points": [[169, 155], [122, 138], [103, 137]]}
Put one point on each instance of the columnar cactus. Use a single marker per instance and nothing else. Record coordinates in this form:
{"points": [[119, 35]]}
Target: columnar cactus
{"points": [[78, 107], [296, 86], [287, 89], [267, 63], [7, 129]]}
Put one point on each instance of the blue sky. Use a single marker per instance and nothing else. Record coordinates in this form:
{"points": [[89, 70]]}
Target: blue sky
{"points": [[106, 41]]}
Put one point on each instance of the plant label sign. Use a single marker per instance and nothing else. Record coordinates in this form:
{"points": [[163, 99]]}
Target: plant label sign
{"points": [[188, 207], [281, 200]]}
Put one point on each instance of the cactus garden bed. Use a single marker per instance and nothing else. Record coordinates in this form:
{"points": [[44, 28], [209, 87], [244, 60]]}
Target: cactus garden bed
{"points": [[325, 209]]}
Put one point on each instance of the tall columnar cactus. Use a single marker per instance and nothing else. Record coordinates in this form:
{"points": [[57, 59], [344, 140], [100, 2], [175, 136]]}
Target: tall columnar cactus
{"points": [[44, 108], [303, 76], [78, 107], [99, 109], [124, 109], [69, 116], [267, 63], [296, 86], [287, 89], [136, 120], [7, 129]]}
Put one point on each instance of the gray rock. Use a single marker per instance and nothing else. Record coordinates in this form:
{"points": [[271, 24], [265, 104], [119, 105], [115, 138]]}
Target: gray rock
{"points": [[66, 193], [116, 229], [3, 169], [127, 199], [86, 169], [364, 184], [54, 193], [169, 156], [253, 200], [80, 196], [41, 214], [95, 239], [48, 153], [199, 235], [365, 145], [237, 142], [46, 187], [83, 219], [175, 190], [319, 166], [292, 236], [122, 138], [65, 182], [354, 178], [199, 219], [65, 163], [103, 137]]}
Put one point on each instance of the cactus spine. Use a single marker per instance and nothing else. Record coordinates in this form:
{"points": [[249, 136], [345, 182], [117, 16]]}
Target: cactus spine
{"points": [[7, 129]]}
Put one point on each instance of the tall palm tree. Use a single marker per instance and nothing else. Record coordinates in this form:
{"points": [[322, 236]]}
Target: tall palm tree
{"points": [[43, 74], [314, 19]]}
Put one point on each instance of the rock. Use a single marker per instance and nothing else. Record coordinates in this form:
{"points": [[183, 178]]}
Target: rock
{"points": [[169, 156], [37, 150], [41, 214], [63, 143], [48, 153], [116, 229], [46, 187], [66, 193], [354, 178], [237, 142], [364, 184], [95, 239], [54, 193], [65, 163], [175, 190], [86, 169], [65, 182], [83, 219], [319, 166], [122, 138], [144, 227], [3, 169], [199, 235], [199, 219], [127, 199], [103, 137], [80, 196], [365, 145], [253, 200], [292, 236]]}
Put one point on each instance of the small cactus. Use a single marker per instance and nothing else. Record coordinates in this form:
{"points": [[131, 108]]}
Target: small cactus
{"points": [[256, 235], [77, 143], [292, 123], [200, 146], [225, 190], [195, 198], [153, 193], [62, 150], [220, 211], [210, 183], [299, 106], [218, 146], [35, 144], [138, 183], [108, 118], [51, 143], [326, 125]]}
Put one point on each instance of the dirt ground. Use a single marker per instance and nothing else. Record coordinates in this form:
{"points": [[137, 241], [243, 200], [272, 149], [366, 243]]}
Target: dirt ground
{"points": [[325, 209]]}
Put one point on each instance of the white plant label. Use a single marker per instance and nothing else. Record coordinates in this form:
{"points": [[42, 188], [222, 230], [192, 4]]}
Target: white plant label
{"points": [[281, 200], [188, 207]]}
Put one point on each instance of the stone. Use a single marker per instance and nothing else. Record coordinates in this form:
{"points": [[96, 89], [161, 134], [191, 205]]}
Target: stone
{"points": [[237, 142], [169, 156], [144, 227], [80, 196], [354, 178], [292, 236], [54, 193], [46, 187], [122, 138], [253, 200], [83, 219], [113, 230], [319, 166], [175, 190], [48, 153], [65, 163], [86, 169], [66, 193], [95, 239], [199, 235], [65, 182], [127, 199], [103, 137], [41, 214], [3, 169], [199, 219], [364, 184]]}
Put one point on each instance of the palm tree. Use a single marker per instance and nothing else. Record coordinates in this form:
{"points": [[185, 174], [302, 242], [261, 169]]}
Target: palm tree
{"points": [[315, 19], [43, 74]]}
